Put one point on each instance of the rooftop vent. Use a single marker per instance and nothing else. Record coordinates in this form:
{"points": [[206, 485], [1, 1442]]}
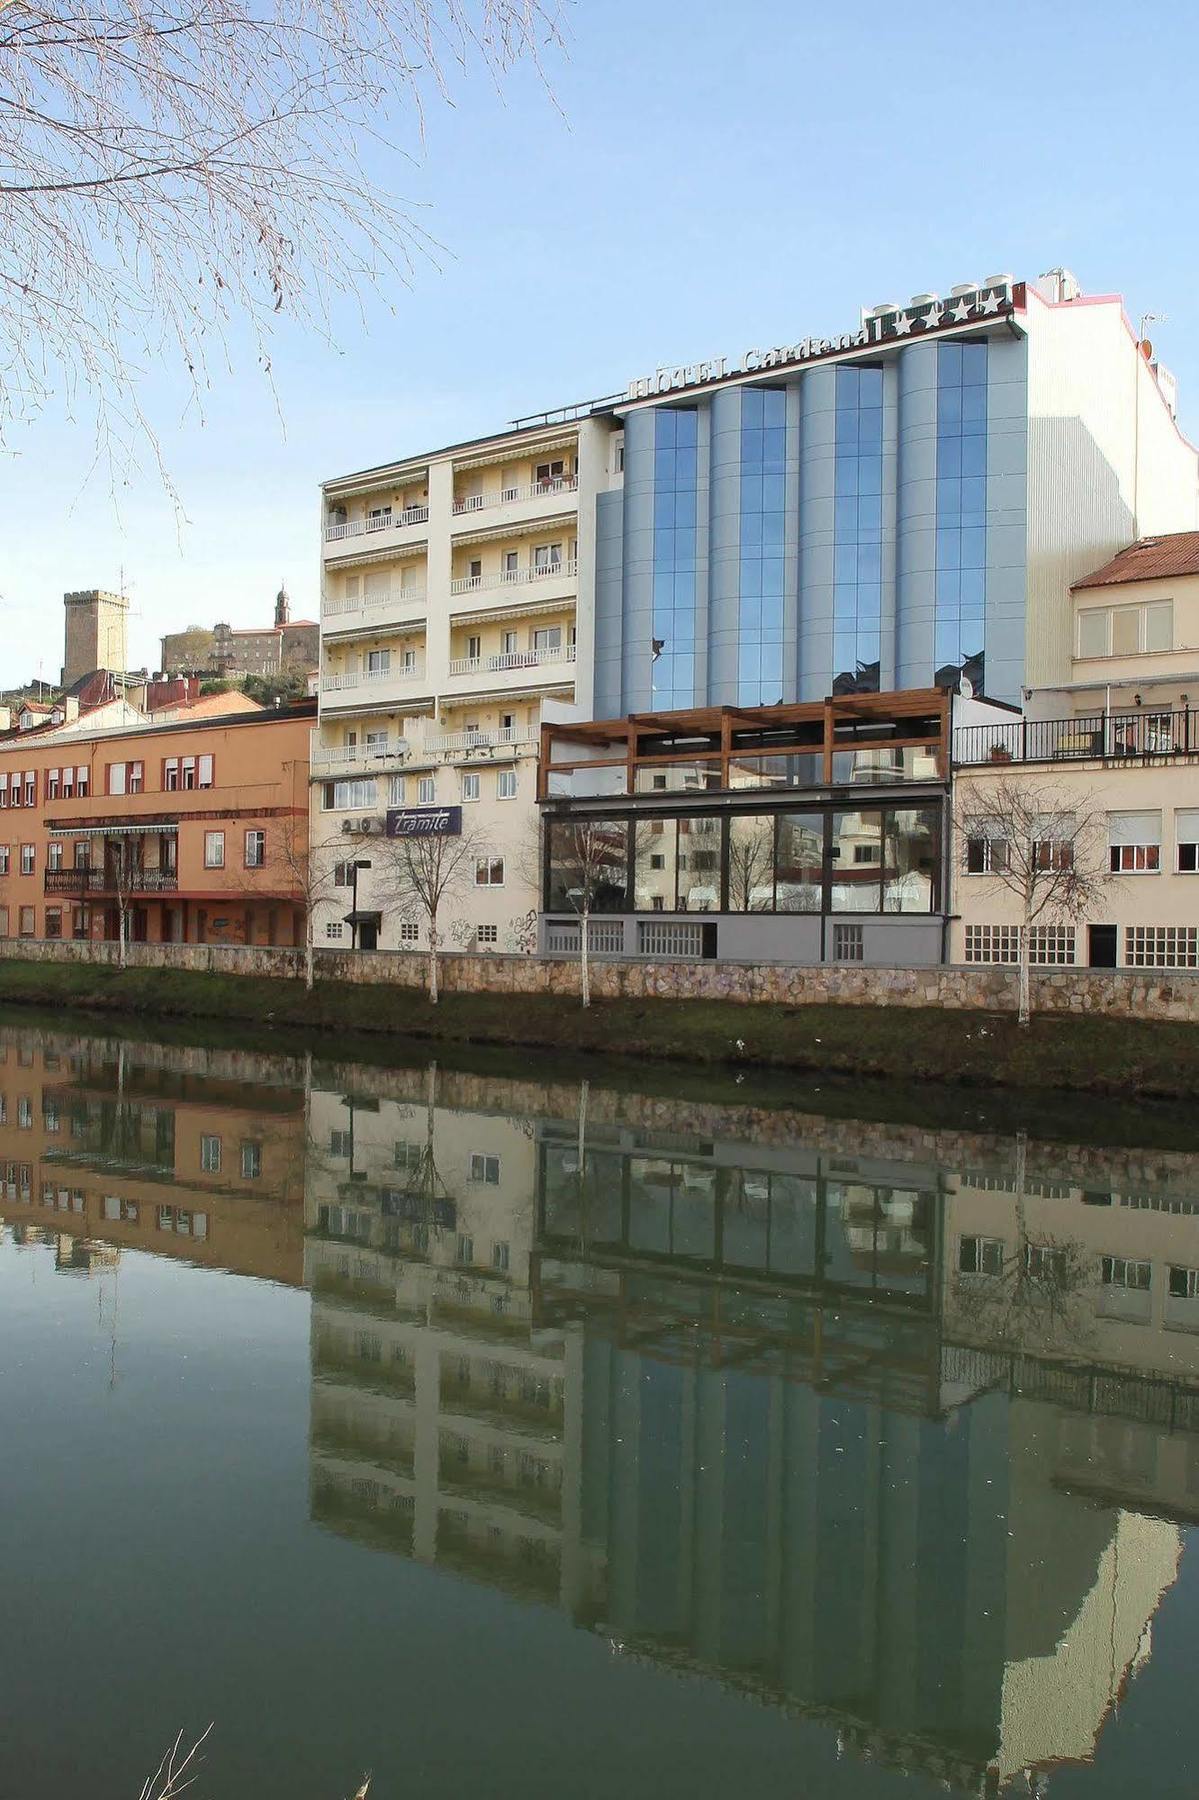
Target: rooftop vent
{"points": [[924, 300], [1058, 285], [994, 281], [883, 307], [962, 287]]}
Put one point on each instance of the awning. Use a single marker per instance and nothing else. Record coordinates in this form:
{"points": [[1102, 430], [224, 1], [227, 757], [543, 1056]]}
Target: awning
{"points": [[74, 831], [363, 918]]}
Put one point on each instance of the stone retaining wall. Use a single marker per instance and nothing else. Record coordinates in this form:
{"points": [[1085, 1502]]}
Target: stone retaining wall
{"points": [[1118, 993]]}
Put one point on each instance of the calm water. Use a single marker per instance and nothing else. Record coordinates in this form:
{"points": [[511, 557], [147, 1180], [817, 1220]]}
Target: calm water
{"points": [[505, 1435]]}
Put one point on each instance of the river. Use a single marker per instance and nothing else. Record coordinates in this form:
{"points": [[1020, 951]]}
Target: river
{"points": [[502, 1431]]}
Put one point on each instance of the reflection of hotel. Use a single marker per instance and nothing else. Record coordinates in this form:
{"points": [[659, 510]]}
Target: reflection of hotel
{"points": [[99, 1147], [739, 1418]]}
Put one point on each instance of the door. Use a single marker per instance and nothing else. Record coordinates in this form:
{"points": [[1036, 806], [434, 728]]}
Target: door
{"points": [[1101, 946], [201, 925], [368, 935]]}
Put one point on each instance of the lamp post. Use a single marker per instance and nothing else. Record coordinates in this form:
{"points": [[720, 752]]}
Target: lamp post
{"points": [[363, 863]]}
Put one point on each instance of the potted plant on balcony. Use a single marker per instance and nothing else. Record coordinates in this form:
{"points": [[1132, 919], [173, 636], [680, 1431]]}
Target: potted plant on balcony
{"points": [[1000, 753]]}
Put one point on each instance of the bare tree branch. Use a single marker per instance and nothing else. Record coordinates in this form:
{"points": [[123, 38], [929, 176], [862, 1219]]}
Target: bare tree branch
{"points": [[422, 874]]}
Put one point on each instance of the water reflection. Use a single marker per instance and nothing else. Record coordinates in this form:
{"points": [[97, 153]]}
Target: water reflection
{"points": [[890, 1428]]}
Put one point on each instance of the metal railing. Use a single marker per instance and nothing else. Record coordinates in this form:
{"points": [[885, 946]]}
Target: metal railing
{"points": [[103, 881], [471, 503], [352, 678], [332, 609], [481, 740], [513, 659], [475, 584], [338, 756], [604, 938], [1103, 736], [670, 938], [387, 521]]}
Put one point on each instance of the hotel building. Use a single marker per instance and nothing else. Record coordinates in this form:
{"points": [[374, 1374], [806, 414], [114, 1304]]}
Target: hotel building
{"points": [[899, 507]]}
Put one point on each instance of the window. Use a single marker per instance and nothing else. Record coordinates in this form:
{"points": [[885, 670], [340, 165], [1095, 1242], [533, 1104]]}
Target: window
{"points": [[1186, 836], [1053, 853], [349, 796], [378, 662], [27, 859], [408, 661], [1045, 1262], [1050, 945], [26, 924], [489, 871], [341, 1143], [255, 849], [1183, 1283], [5, 858], [1161, 947], [1126, 630], [848, 944], [52, 784], [251, 1161], [25, 1112], [409, 931], [992, 943], [214, 849], [426, 790], [550, 474], [475, 569], [54, 921], [126, 778], [68, 783], [82, 782], [505, 785], [1135, 841], [53, 854], [470, 787], [546, 558], [83, 853], [31, 789], [334, 929], [474, 649], [500, 1257], [210, 1154], [3, 930], [547, 637], [487, 934], [485, 1169], [509, 643], [1120, 1272]]}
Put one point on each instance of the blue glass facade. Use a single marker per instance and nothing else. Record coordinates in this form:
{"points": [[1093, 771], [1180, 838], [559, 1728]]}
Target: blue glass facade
{"points": [[858, 531], [762, 530], [674, 571], [961, 574]]}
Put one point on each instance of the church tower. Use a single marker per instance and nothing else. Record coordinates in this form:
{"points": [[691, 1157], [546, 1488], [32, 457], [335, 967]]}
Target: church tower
{"points": [[282, 607]]}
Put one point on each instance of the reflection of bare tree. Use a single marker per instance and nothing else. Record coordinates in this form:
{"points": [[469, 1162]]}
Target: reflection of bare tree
{"points": [[751, 865]]}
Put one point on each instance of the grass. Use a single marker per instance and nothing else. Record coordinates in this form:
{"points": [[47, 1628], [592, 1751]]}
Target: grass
{"points": [[1118, 1057]]}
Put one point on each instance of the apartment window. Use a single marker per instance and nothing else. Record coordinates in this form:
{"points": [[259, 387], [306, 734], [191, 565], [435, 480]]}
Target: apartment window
{"points": [[210, 1154], [126, 778], [1053, 853], [1183, 1283], [474, 648], [25, 1112], [27, 859], [489, 871], [987, 851], [30, 789], [1120, 1272], [1161, 947], [54, 921], [550, 474], [409, 662], [52, 784], [1135, 842], [500, 1256], [511, 565], [379, 515], [255, 849], [25, 923], [546, 558], [251, 1160], [547, 637], [485, 1169], [214, 849], [54, 854], [1045, 1262], [341, 1143], [409, 931], [5, 858], [425, 790], [487, 934], [349, 796], [475, 569], [470, 787], [68, 783], [378, 661], [509, 643], [170, 774], [505, 785], [1186, 836], [1126, 630], [3, 933], [83, 781], [334, 929], [465, 1252], [83, 853]]}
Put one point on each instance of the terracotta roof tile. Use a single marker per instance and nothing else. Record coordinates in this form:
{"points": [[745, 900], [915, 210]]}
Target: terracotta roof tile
{"points": [[1149, 559]]}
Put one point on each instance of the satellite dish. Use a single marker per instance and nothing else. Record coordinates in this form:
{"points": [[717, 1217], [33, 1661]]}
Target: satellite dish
{"points": [[1147, 349], [966, 688]]}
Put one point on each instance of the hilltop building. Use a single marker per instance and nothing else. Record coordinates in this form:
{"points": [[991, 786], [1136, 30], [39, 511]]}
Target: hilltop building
{"points": [[97, 625], [285, 646]]}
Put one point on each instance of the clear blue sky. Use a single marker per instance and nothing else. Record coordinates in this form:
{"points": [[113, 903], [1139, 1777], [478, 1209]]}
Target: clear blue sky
{"points": [[715, 177]]}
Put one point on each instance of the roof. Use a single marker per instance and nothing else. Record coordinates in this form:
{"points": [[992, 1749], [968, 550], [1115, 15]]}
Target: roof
{"points": [[1149, 559], [208, 706]]}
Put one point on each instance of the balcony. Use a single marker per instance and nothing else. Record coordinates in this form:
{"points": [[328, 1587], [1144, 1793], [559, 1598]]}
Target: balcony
{"points": [[372, 607], [331, 759], [505, 737], [340, 529], [471, 505], [510, 578], [80, 882], [511, 661], [353, 680], [1105, 737]]}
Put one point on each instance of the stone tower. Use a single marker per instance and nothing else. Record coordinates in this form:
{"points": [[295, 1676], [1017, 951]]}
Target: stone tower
{"points": [[96, 633], [282, 606]]}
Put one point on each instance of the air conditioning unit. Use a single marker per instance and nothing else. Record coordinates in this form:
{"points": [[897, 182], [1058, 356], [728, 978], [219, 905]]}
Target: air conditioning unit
{"points": [[347, 825]]}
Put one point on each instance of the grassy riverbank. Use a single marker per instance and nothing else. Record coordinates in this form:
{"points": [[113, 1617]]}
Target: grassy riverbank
{"points": [[1095, 1055]]}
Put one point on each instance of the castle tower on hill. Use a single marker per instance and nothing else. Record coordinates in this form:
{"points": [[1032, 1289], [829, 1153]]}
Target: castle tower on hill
{"points": [[96, 633]]}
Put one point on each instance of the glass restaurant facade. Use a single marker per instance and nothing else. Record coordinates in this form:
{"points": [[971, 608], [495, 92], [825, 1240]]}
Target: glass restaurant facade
{"points": [[800, 834]]}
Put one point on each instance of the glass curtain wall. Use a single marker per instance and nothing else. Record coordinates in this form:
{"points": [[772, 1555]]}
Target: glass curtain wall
{"points": [[763, 505], [959, 645], [858, 532], [675, 480]]}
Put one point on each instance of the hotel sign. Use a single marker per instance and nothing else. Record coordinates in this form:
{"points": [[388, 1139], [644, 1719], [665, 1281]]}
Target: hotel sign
{"points": [[980, 305], [424, 821]]}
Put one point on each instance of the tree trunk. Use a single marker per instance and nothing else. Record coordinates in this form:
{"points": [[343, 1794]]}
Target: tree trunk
{"points": [[1025, 1014], [433, 960], [585, 956], [122, 953], [309, 959]]}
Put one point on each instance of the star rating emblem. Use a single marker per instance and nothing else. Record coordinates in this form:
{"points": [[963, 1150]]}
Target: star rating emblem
{"points": [[902, 325], [933, 316], [991, 304], [960, 313]]}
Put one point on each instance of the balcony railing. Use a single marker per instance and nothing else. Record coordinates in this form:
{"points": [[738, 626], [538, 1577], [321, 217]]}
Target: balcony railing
{"points": [[353, 678], [1102, 736], [481, 740], [102, 881], [332, 609], [476, 584], [389, 521], [509, 660], [357, 756], [472, 503]]}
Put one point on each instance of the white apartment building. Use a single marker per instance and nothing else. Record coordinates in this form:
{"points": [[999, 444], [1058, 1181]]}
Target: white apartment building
{"points": [[456, 615]]}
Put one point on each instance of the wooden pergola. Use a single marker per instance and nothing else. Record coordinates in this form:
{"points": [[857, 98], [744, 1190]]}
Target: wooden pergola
{"points": [[917, 718]]}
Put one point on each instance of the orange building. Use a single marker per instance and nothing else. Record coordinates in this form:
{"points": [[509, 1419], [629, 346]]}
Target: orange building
{"points": [[192, 831]]}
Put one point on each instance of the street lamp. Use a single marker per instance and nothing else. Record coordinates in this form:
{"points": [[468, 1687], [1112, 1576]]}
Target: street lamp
{"points": [[363, 863]]}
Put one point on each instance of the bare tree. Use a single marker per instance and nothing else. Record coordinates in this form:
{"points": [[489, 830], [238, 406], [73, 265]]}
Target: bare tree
{"points": [[1030, 840], [172, 167], [590, 864], [175, 1772], [420, 874]]}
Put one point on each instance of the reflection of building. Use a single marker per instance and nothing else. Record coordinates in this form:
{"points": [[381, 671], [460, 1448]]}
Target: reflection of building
{"points": [[98, 1150], [771, 1446]]}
